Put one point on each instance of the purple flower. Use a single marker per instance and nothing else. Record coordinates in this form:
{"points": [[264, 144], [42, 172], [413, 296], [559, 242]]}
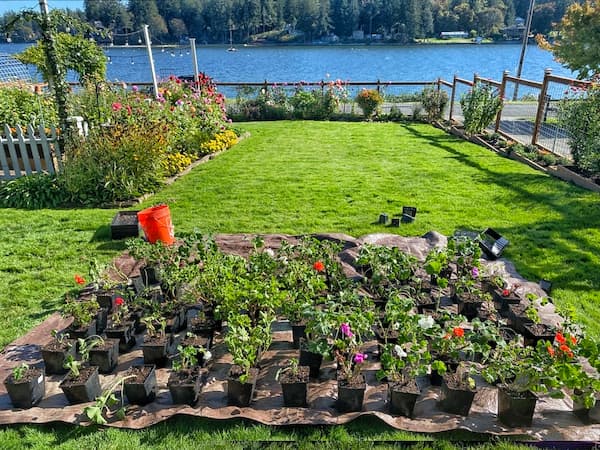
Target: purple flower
{"points": [[359, 358], [134, 88], [345, 329], [475, 272]]}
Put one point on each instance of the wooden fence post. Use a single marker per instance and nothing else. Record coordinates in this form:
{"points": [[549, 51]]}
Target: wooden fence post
{"points": [[502, 96], [452, 98], [541, 107]]}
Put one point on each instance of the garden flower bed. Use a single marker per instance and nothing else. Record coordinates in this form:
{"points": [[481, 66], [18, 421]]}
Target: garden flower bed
{"points": [[360, 258]]}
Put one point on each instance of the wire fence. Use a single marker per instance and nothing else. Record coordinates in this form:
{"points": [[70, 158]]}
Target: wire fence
{"points": [[12, 70]]}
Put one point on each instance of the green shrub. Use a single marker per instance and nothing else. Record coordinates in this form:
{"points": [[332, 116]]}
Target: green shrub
{"points": [[32, 192], [21, 106], [579, 114], [369, 100], [434, 101], [117, 163], [480, 106]]}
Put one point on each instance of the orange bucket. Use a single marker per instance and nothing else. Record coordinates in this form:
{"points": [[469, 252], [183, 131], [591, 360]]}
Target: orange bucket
{"points": [[157, 225]]}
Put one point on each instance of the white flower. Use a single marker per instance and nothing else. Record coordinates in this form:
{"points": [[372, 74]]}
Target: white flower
{"points": [[400, 353], [426, 322], [396, 326], [207, 355]]}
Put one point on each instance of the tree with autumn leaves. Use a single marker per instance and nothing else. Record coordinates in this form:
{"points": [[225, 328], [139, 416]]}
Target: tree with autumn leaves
{"points": [[577, 45]]}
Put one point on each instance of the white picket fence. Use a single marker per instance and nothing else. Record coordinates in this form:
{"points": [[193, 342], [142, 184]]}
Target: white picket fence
{"points": [[29, 152]]}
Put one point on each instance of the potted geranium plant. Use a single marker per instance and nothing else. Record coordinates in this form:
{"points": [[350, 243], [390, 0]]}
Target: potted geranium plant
{"points": [[303, 282], [185, 380], [120, 326], [404, 361], [83, 312], [245, 342], [517, 372], [350, 360]]}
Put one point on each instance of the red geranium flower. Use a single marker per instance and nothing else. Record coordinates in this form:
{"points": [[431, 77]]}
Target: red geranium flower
{"points": [[573, 340], [119, 301], [505, 292], [79, 279], [319, 266], [560, 338], [458, 332], [550, 350], [566, 350]]}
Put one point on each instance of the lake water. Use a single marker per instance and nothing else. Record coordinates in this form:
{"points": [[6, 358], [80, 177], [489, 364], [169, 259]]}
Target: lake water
{"points": [[314, 63]]}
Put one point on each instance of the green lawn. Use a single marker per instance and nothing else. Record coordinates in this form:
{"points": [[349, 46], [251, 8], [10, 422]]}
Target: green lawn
{"points": [[303, 177]]}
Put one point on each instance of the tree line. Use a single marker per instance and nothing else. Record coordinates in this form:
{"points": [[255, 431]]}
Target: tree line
{"points": [[403, 21]]}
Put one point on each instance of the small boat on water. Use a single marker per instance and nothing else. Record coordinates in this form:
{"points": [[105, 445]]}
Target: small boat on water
{"points": [[231, 47]]}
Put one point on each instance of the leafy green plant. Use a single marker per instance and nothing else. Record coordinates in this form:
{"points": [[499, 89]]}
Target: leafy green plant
{"points": [[18, 372], [479, 107], [85, 346], [385, 267], [291, 368], [579, 114], [369, 100], [35, 191], [104, 403], [20, 106], [117, 164], [82, 311], [187, 357], [410, 356], [434, 101], [76, 53], [245, 342]]}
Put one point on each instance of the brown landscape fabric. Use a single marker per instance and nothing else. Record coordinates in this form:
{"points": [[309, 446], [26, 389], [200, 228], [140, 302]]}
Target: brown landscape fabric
{"points": [[553, 419]]}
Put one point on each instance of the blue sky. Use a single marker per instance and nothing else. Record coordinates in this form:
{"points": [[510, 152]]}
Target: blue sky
{"points": [[18, 5]]}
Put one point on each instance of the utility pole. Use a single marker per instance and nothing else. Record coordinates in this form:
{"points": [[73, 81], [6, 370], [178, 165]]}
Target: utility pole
{"points": [[524, 45]]}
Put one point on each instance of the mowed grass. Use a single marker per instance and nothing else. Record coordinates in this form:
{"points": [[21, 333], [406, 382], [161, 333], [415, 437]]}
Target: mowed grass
{"points": [[305, 177]]}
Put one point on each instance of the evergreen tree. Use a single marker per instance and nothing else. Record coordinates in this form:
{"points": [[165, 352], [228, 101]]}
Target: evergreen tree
{"points": [[145, 12]]}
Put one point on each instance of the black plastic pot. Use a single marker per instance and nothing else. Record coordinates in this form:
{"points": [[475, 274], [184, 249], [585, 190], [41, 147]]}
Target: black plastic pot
{"points": [[469, 309], [141, 393], [515, 409], [82, 332], [54, 357], [350, 397], [184, 386], [83, 389], [27, 391], [105, 357], [238, 393], [298, 332], [149, 275], [533, 333], [295, 389], [204, 328], [124, 333], [156, 352], [312, 360], [402, 399], [101, 320], [455, 400]]}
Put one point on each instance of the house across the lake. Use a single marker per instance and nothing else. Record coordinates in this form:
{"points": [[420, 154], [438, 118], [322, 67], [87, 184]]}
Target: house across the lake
{"points": [[454, 35]]}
